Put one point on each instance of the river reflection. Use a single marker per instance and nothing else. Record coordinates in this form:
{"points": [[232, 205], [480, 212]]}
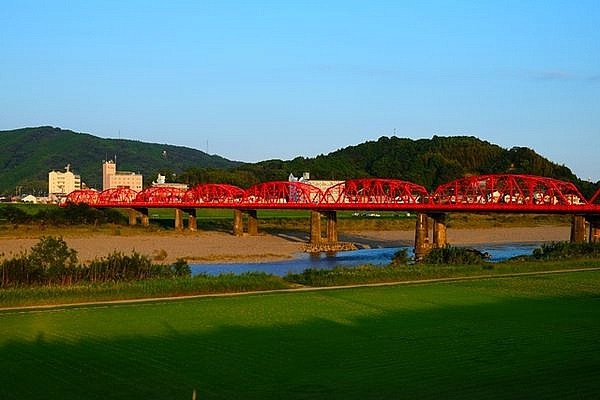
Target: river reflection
{"points": [[379, 256]]}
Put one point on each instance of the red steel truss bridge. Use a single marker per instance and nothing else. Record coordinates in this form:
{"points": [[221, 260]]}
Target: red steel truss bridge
{"points": [[508, 193]]}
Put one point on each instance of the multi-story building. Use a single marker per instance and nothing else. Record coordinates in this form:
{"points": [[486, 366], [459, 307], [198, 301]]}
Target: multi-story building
{"points": [[111, 178], [62, 183]]}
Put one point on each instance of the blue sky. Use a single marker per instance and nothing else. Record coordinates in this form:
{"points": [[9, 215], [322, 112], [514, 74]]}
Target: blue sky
{"points": [[255, 80]]}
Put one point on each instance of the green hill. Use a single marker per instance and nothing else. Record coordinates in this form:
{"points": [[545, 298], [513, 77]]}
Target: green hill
{"points": [[429, 162], [28, 155]]}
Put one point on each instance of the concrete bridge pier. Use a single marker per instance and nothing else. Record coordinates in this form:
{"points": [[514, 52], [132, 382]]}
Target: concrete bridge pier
{"points": [[594, 229], [142, 213], [238, 222], [252, 222], [332, 234], [422, 245], [315, 227], [132, 217], [578, 230], [178, 219], [439, 230], [192, 219]]}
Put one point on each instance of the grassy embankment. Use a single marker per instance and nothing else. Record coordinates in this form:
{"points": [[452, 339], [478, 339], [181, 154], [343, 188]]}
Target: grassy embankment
{"points": [[270, 220], [527, 337], [255, 282]]}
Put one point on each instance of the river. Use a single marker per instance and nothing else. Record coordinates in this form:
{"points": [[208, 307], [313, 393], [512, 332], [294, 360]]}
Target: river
{"points": [[377, 256]]}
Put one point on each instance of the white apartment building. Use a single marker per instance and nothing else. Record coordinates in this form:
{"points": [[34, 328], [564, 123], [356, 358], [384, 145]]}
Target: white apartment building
{"points": [[111, 178], [62, 183]]}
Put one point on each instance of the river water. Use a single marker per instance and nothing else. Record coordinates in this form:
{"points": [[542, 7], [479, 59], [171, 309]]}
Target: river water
{"points": [[377, 256]]}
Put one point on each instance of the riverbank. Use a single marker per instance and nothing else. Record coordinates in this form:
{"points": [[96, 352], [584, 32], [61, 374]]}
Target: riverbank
{"points": [[213, 246]]}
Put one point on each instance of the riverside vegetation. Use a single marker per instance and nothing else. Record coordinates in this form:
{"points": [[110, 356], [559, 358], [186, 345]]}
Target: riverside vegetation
{"points": [[50, 272]]}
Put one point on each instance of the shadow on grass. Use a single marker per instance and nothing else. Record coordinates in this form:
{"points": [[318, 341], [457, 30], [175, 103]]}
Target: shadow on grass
{"points": [[499, 348]]}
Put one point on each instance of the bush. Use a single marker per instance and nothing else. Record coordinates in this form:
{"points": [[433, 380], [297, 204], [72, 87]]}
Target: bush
{"points": [[567, 250], [400, 257], [54, 258], [51, 261], [14, 215], [455, 255]]}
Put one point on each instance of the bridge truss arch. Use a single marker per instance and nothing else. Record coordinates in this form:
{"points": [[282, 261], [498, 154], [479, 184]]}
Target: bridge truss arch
{"points": [[160, 195], [596, 198], [117, 196], [375, 192], [509, 191], [214, 193], [283, 194], [83, 196]]}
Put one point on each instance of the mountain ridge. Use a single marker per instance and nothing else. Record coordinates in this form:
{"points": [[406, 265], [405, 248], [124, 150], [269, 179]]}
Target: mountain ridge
{"points": [[31, 153]]}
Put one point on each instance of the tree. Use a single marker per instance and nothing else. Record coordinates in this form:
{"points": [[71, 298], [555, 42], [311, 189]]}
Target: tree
{"points": [[54, 257]]}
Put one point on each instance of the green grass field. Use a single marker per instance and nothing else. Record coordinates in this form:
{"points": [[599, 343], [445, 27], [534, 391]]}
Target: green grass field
{"points": [[528, 337]]}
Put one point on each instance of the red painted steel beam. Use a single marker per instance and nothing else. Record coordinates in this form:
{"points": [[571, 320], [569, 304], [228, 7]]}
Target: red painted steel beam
{"points": [[282, 193], [84, 196], [213, 193], [509, 193]]}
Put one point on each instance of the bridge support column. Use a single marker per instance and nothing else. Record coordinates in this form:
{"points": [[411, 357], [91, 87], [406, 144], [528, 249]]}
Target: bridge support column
{"points": [[192, 220], [238, 223], [421, 237], [594, 230], [315, 227], [178, 219], [578, 229], [252, 222], [132, 217], [332, 234], [145, 218], [439, 230], [144, 215]]}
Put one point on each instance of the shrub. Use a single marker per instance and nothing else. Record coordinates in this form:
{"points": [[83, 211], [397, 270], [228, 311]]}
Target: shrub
{"points": [[14, 215], [181, 268], [455, 255], [567, 250], [51, 261], [54, 258], [400, 257]]}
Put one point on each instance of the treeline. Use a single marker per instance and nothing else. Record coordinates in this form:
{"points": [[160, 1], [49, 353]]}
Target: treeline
{"points": [[429, 162], [71, 214], [52, 262]]}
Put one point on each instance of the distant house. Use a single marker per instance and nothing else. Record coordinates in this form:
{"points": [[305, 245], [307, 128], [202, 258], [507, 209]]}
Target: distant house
{"points": [[29, 199], [161, 182]]}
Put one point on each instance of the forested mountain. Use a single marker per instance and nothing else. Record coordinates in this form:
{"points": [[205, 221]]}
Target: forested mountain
{"points": [[28, 155], [428, 162]]}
